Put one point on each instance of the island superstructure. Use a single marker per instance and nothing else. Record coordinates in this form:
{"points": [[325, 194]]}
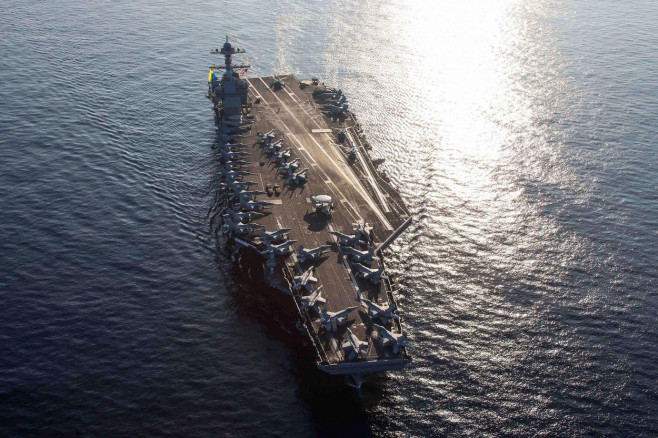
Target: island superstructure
{"points": [[302, 192]]}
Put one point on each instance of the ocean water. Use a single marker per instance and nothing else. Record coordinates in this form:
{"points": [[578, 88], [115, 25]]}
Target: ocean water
{"points": [[523, 137]]}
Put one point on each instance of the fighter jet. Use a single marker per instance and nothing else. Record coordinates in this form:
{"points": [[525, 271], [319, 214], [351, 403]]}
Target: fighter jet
{"points": [[383, 311], [290, 167], [319, 92], [234, 146], [254, 205], [337, 110], [311, 254], [373, 275], [389, 339], [354, 346], [283, 156], [234, 165], [232, 175], [245, 196], [240, 228], [273, 147], [328, 104], [359, 256], [235, 155], [313, 301], [343, 239], [328, 95], [299, 177], [333, 101], [363, 231], [305, 280], [330, 320], [239, 186], [271, 135], [280, 249], [273, 236], [237, 216]]}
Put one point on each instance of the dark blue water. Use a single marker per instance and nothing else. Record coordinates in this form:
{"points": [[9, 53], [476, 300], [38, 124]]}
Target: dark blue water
{"points": [[522, 135]]}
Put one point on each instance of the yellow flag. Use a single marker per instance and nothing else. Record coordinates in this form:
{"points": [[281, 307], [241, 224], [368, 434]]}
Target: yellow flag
{"points": [[210, 75]]}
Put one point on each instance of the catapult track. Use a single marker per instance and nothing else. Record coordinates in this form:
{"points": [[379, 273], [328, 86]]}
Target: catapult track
{"points": [[358, 193]]}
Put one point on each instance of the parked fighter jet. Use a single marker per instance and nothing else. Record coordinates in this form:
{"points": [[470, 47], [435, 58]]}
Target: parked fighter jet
{"points": [[233, 146], [254, 205], [311, 254], [330, 320], [273, 147], [319, 92], [299, 177], [245, 196], [239, 228], [237, 216], [313, 301], [363, 231], [232, 175], [283, 156], [373, 275], [273, 236], [344, 239], [289, 167], [304, 280], [383, 311], [390, 339], [329, 104], [337, 110], [234, 165], [354, 346], [328, 95], [333, 101], [263, 137], [235, 155], [359, 256], [280, 249], [239, 186]]}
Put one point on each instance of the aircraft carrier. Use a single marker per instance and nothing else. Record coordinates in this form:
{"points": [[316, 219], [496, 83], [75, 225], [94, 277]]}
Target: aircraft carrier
{"points": [[301, 192]]}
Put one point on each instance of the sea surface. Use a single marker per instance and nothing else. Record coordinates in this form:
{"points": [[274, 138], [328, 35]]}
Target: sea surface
{"points": [[523, 135]]}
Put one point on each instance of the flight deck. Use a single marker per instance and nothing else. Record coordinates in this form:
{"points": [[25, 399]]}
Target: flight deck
{"points": [[303, 192]]}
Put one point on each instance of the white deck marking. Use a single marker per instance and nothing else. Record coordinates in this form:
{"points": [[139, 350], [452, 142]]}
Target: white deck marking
{"points": [[300, 147], [374, 185], [355, 182], [366, 169]]}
